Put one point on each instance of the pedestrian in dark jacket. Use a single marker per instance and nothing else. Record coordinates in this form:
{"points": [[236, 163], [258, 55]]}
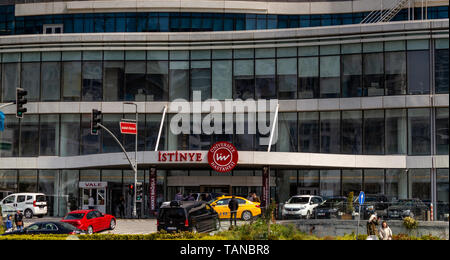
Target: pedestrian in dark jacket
{"points": [[18, 219], [233, 205]]}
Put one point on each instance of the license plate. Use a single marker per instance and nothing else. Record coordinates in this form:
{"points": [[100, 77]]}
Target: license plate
{"points": [[171, 228], [321, 214]]}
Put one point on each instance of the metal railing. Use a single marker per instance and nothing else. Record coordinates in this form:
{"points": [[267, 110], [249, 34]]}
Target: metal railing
{"points": [[386, 14]]}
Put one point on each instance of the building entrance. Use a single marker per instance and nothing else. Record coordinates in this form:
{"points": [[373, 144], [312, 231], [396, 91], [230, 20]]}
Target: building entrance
{"points": [[215, 189]]}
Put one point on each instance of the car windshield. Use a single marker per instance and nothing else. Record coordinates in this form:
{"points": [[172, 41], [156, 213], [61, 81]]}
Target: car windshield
{"points": [[174, 214], [40, 198], [74, 216], [298, 200]]}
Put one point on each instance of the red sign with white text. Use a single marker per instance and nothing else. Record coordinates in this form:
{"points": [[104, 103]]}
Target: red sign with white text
{"points": [[223, 157], [128, 128]]}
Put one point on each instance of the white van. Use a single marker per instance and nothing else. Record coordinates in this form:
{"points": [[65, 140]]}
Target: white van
{"points": [[30, 204]]}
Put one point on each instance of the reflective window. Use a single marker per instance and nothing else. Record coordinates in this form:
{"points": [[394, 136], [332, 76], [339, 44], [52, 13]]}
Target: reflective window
{"points": [[395, 73], [308, 76], [374, 181], [373, 74], [442, 192], [352, 132], [419, 131], [8, 180], [330, 71], [441, 70], [27, 181], [49, 135], [330, 134], [92, 81], [158, 80], [396, 184], [330, 183], [179, 80], [373, 132], [113, 79], [48, 184], [419, 182], [308, 128], [418, 72], [351, 182], [201, 78], [51, 81], [152, 124], [71, 81], [244, 82], [287, 78], [70, 134], [287, 132], [135, 87], [29, 131], [222, 79], [442, 133], [10, 80], [9, 138], [109, 145], [351, 75], [30, 78], [396, 132], [265, 79]]}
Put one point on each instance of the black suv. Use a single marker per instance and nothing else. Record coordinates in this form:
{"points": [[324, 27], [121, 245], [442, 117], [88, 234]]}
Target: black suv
{"points": [[402, 208], [192, 216]]}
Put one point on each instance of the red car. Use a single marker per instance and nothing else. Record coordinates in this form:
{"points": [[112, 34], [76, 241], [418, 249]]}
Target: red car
{"points": [[90, 220]]}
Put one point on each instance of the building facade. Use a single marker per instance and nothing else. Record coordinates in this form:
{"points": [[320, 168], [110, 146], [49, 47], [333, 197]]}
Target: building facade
{"points": [[362, 106]]}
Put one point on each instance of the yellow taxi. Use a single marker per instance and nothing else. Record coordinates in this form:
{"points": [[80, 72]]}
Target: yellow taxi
{"points": [[247, 209]]}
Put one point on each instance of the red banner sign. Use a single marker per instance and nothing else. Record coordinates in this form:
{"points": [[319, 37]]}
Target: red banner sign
{"points": [[128, 128], [152, 190]]}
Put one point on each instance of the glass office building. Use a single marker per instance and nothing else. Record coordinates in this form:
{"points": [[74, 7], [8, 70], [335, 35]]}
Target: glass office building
{"points": [[362, 106]]}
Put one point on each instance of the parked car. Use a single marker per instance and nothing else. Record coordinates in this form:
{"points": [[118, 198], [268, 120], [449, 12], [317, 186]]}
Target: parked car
{"points": [[30, 204], [47, 228], [300, 206], [372, 203], [407, 208], [333, 207], [90, 220], [246, 211], [192, 216]]}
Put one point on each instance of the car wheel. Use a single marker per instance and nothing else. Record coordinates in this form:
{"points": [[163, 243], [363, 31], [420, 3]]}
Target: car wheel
{"points": [[246, 215], [90, 230], [28, 213], [112, 224], [218, 224]]}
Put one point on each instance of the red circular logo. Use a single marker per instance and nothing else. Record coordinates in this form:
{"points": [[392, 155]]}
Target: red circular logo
{"points": [[222, 157]]}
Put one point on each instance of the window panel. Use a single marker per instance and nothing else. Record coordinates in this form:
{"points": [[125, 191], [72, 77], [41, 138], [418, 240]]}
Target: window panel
{"points": [[418, 72], [222, 79], [265, 79], [90, 144], [287, 133], [308, 74], [92, 81], [287, 78], [179, 80], [442, 192], [330, 183], [201, 78], [352, 132], [244, 82], [373, 74], [419, 131], [419, 183], [49, 135], [374, 181], [51, 81], [396, 131], [442, 132], [351, 75], [70, 134], [330, 137], [10, 80], [31, 74], [351, 182], [9, 138], [158, 80], [330, 76], [29, 130], [135, 76], [373, 132], [113, 79], [71, 81], [441, 71], [395, 63], [27, 181], [308, 128]]}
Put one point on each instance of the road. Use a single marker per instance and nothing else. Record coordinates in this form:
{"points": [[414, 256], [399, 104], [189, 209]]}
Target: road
{"points": [[129, 226]]}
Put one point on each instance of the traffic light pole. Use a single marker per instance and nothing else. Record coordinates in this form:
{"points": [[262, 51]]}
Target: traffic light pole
{"points": [[8, 104], [135, 159]]}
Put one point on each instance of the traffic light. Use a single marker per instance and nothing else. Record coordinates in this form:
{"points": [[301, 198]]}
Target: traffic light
{"points": [[139, 192], [20, 101], [96, 118], [130, 189]]}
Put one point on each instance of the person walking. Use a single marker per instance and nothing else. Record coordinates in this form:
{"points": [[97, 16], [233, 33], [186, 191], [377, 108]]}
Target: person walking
{"points": [[18, 219], [179, 196], [371, 225], [250, 196], [385, 232], [9, 224], [256, 198], [233, 205]]}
